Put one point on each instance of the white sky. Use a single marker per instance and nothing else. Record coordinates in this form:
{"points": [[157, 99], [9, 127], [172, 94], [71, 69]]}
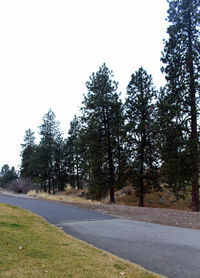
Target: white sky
{"points": [[48, 50]]}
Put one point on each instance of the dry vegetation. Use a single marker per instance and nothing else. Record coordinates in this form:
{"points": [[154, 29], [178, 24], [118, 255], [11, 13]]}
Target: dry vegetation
{"points": [[125, 196], [30, 247]]}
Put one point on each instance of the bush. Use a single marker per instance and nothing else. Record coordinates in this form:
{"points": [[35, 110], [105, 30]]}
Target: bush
{"points": [[21, 185]]}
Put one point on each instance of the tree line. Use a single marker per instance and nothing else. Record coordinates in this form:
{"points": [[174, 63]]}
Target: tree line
{"points": [[150, 140]]}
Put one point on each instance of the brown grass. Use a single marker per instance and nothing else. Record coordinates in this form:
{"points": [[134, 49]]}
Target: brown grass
{"points": [[125, 196], [163, 199], [68, 196]]}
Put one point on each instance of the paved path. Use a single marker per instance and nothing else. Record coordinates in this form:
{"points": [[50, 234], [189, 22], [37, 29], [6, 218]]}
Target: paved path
{"points": [[171, 251]]}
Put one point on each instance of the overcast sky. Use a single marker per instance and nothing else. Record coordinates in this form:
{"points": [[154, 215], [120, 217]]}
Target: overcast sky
{"points": [[48, 50]]}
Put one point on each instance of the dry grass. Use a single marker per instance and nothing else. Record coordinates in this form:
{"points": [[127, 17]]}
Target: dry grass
{"points": [[163, 199], [3, 190], [68, 196], [125, 196], [30, 247]]}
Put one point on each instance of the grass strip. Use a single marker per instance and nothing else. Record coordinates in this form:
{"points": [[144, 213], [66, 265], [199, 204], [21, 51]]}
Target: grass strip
{"points": [[31, 247]]}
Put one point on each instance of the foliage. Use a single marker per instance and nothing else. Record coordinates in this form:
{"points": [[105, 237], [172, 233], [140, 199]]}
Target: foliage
{"points": [[101, 117], [173, 149], [73, 153], [44, 163], [181, 58], [51, 172], [141, 133], [7, 175], [29, 156]]}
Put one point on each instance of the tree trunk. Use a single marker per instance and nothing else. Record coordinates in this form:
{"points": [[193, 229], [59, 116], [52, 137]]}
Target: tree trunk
{"points": [[77, 176], [110, 156], [142, 147], [119, 176], [49, 188], [112, 181], [194, 135], [45, 187], [53, 189], [141, 194], [141, 185]]}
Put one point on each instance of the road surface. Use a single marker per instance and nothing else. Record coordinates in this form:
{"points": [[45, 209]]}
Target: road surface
{"points": [[171, 251]]}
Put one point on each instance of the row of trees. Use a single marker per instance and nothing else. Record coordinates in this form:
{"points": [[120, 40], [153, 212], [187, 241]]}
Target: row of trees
{"points": [[150, 140], [45, 163], [110, 144]]}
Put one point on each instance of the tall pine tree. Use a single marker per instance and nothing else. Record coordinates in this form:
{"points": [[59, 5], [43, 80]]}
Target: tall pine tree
{"points": [[141, 143], [101, 106], [181, 58]]}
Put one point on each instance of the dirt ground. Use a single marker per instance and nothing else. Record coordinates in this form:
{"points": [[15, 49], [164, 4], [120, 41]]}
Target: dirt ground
{"points": [[163, 216]]}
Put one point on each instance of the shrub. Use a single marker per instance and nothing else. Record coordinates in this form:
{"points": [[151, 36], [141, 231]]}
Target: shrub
{"points": [[21, 185]]}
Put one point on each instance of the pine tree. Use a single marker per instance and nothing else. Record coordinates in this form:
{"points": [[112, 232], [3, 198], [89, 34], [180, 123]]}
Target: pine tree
{"points": [[99, 114], [49, 146], [74, 153], [181, 56], [28, 154], [7, 175], [172, 143], [95, 166], [121, 156], [141, 143], [60, 170], [69, 161]]}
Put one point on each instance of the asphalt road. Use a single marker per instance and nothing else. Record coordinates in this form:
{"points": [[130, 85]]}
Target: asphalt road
{"points": [[171, 251]]}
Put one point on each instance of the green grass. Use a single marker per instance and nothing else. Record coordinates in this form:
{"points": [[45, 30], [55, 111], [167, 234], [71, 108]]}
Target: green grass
{"points": [[30, 247]]}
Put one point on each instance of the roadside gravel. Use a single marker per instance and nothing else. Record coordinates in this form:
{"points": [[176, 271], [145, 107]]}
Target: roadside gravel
{"points": [[170, 217]]}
